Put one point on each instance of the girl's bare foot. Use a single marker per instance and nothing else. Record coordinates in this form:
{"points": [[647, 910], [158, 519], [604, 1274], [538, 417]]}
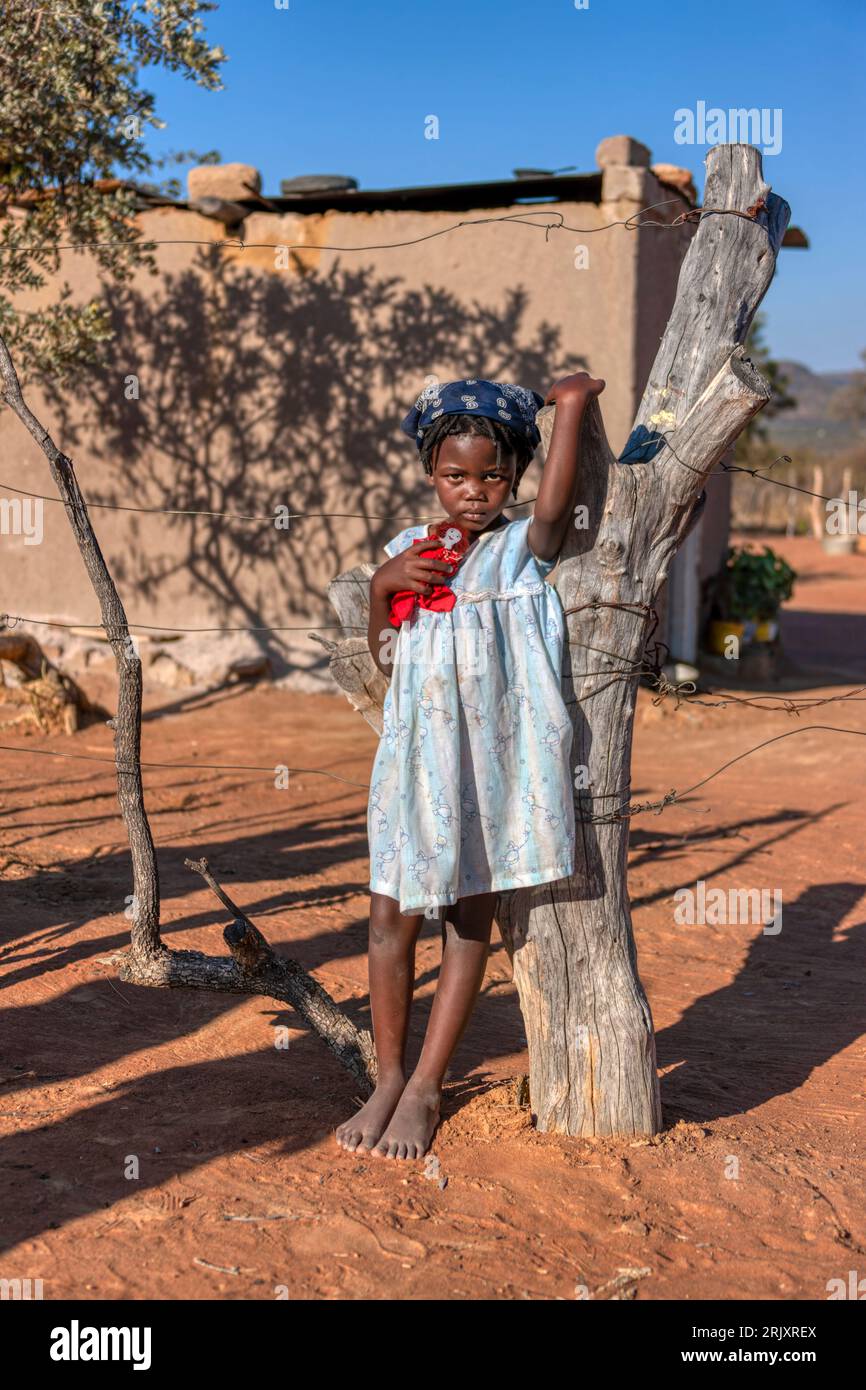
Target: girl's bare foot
{"points": [[366, 1125], [412, 1125]]}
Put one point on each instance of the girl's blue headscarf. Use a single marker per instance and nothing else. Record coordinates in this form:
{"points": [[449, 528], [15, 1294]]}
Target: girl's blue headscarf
{"points": [[515, 406]]}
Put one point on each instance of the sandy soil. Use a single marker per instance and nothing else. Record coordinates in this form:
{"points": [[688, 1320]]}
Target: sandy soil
{"points": [[753, 1189]]}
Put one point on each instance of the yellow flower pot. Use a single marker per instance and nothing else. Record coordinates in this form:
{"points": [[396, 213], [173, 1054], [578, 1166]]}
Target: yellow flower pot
{"points": [[721, 629]]}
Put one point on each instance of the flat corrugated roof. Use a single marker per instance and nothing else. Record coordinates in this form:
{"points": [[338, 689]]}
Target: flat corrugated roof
{"points": [[445, 197], [451, 197]]}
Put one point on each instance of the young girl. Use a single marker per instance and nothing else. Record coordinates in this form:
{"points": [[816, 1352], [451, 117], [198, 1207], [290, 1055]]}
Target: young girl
{"points": [[471, 792]]}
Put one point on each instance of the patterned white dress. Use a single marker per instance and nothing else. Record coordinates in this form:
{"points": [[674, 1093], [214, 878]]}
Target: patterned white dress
{"points": [[471, 789]]}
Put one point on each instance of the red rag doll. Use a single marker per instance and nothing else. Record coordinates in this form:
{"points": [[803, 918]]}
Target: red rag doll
{"points": [[445, 541]]}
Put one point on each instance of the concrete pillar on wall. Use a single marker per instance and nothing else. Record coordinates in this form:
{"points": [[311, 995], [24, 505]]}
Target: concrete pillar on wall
{"points": [[684, 598]]}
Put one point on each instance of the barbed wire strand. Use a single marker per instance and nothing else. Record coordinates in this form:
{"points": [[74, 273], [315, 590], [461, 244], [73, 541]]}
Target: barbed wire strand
{"points": [[622, 813], [11, 620], [674, 796], [204, 767], [663, 437], [632, 223], [271, 517], [631, 670], [685, 692]]}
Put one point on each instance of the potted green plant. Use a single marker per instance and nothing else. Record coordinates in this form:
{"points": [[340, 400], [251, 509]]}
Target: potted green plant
{"points": [[750, 590]]}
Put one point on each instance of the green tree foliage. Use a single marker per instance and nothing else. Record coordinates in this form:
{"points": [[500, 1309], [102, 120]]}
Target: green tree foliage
{"points": [[752, 443], [754, 584], [73, 113]]}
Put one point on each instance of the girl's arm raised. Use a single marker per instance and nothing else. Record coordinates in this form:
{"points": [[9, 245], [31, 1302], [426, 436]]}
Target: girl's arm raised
{"points": [[560, 481]]}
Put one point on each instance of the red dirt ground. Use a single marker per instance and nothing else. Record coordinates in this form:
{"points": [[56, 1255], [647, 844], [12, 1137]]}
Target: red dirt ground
{"points": [[242, 1190]]}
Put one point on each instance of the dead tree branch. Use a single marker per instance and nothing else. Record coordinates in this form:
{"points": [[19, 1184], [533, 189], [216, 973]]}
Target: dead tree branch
{"points": [[254, 968], [127, 725]]}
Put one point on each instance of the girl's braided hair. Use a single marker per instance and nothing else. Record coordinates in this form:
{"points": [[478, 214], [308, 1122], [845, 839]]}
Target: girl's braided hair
{"points": [[507, 440]]}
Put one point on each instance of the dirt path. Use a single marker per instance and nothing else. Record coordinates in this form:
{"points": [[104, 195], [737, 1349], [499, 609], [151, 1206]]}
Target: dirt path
{"points": [[754, 1189]]}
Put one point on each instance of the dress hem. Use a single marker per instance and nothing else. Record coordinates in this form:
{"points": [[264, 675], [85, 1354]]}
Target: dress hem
{"points": [[503, 885]]}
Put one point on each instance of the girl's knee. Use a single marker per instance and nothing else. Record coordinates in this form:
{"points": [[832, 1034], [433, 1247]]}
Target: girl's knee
{"points": [[390, 926], [471, 918]]}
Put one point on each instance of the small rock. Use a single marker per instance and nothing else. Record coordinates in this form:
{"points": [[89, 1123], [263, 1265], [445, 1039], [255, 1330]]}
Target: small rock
{"points": [[678, 178], [248, 670], [223, 181], [168, 671]]}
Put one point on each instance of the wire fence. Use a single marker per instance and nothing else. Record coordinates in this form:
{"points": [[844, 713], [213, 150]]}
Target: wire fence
{"points": [[647, 667], [632, 223], [269, 518], [623, 812]]}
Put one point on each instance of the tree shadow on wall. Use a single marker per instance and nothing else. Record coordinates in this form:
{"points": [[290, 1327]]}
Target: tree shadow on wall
{"points": [[258, 390]]}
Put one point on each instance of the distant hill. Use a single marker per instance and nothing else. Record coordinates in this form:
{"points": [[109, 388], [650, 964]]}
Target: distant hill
{"points": [[808, 424]]}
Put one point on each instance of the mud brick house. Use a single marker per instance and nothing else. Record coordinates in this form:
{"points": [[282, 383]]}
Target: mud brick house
{"points": [[273, 371]]}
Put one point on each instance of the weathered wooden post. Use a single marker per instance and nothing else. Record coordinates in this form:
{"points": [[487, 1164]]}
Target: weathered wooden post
{"points": [[589, 1028]]}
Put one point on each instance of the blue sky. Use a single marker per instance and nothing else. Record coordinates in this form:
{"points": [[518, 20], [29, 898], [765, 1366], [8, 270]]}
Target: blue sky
{"points": [[344, 86]]}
